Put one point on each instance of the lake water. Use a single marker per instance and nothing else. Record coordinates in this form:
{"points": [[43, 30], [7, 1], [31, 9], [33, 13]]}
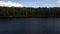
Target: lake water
{"points": [[30, 26]]}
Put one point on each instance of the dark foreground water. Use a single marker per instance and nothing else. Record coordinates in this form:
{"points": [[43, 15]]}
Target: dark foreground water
{"points": [[30, 26]]}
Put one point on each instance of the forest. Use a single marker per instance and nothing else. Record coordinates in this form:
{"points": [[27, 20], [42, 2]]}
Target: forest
{"points": [[29, 12]]}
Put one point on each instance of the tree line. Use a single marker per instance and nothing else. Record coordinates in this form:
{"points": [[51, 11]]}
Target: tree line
{"points": [[29, 12]]}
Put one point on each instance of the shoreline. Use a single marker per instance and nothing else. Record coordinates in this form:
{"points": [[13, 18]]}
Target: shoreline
{"points": [[26, 17]]}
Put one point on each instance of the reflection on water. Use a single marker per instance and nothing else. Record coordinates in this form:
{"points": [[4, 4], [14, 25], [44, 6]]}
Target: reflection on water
{"points": [[30, 26]]}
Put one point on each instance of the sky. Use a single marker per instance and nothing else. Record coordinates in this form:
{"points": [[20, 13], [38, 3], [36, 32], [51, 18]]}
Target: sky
{"points": [[33, 3]]}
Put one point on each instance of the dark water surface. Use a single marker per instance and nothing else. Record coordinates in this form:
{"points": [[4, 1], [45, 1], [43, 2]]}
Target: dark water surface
{"points": [[30, 26]]}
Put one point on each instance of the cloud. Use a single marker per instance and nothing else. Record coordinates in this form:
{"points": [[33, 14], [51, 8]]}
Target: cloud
{"points": [[10, 4], [58, 1]]}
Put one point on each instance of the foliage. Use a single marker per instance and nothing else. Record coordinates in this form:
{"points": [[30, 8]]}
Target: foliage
{"points": [[29, 12]]}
